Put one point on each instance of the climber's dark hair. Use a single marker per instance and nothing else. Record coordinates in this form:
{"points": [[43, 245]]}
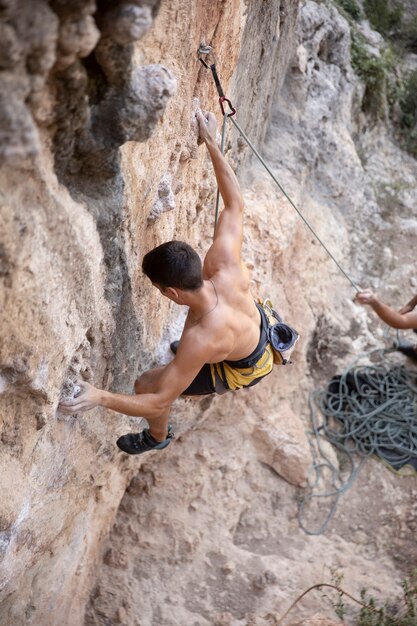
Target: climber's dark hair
{"points": [[174, 264]]}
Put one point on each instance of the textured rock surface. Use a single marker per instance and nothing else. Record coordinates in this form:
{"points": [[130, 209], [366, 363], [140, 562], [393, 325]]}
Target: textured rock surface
{"points": [[281, 444], [244, 559], [316, 620], [96, 136]]}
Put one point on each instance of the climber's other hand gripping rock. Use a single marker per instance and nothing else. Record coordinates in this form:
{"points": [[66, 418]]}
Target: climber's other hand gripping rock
{"points": [[87, 399]]}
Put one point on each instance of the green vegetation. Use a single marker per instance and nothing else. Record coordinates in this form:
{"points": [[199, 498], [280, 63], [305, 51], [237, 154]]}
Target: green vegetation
{"points": [[390, 94], [370, 616], [385, 16], [401, 613], [339, 606], [398, 612], [352, 8], [408, 113], [408, 35], [408, 101], [377, 72]]}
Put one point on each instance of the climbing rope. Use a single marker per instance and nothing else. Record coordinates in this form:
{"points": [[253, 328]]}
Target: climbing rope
{"points": [[292, 203], [205, 50], [369, 409]]}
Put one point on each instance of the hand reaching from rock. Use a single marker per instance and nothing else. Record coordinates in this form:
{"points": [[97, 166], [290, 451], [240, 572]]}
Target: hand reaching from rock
{"points": [[88, 398]]}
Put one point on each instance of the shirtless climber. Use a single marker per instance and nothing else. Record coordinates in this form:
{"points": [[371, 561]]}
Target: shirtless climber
{"points": [[224, 333], [404, 319]]}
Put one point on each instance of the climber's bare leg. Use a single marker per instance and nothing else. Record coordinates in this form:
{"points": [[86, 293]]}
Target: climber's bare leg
{"points": [[148, 383]]}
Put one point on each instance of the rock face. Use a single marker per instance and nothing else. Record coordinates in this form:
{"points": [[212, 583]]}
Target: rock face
{"points": [[100, 163]]}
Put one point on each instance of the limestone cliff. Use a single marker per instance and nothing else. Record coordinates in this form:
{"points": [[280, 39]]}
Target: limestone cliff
{"points": [[99, 164]]}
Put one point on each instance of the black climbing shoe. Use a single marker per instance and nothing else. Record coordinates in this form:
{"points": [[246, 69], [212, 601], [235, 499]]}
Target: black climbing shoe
{"points": [[408, 349], [174, 346], [136, 443]]}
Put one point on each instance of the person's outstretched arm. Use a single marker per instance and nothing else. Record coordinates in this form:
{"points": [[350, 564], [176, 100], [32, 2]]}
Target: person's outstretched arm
{"points": [[176, 377], [402, 319], [228, 236]]}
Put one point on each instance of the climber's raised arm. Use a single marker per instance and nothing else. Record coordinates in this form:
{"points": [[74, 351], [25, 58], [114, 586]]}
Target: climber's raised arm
{"points": [[403, 319], [228, 236]]}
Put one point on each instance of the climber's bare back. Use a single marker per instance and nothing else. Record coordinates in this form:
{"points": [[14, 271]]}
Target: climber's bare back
{"points": [[231, 330]]}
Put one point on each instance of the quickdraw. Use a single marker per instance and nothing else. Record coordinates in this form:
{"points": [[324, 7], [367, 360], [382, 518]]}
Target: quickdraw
{"points": [[205, 50]]}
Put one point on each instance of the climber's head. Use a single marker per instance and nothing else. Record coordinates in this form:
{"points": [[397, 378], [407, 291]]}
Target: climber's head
{"points": [[173, 265]]}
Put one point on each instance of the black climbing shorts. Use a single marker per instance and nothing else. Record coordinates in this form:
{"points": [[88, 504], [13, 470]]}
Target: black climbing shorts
{"points": [[202, 383]]}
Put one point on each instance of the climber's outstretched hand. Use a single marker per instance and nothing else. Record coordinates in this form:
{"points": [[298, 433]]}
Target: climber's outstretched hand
{"points": [[87, 399], [207, 126]]}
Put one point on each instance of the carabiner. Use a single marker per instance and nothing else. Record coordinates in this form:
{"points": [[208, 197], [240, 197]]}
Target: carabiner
{"points": [[231, 107]]}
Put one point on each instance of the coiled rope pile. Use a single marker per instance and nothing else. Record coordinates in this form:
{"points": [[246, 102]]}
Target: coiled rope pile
{"points": [[369, 409]]}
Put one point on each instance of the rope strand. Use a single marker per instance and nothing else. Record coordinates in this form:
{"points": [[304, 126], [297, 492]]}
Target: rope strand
{"points": [[254, 150]]}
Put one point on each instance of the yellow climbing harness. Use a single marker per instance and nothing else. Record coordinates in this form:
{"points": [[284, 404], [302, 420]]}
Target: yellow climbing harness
{"points": [[239, 377], [276, 343]]}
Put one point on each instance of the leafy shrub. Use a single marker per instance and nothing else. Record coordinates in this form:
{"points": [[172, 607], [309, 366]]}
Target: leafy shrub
{"points": [[407, 36], [384, 16], [352, 8], [402, 613], [408, 113], [377, 74], [408, 101]]}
